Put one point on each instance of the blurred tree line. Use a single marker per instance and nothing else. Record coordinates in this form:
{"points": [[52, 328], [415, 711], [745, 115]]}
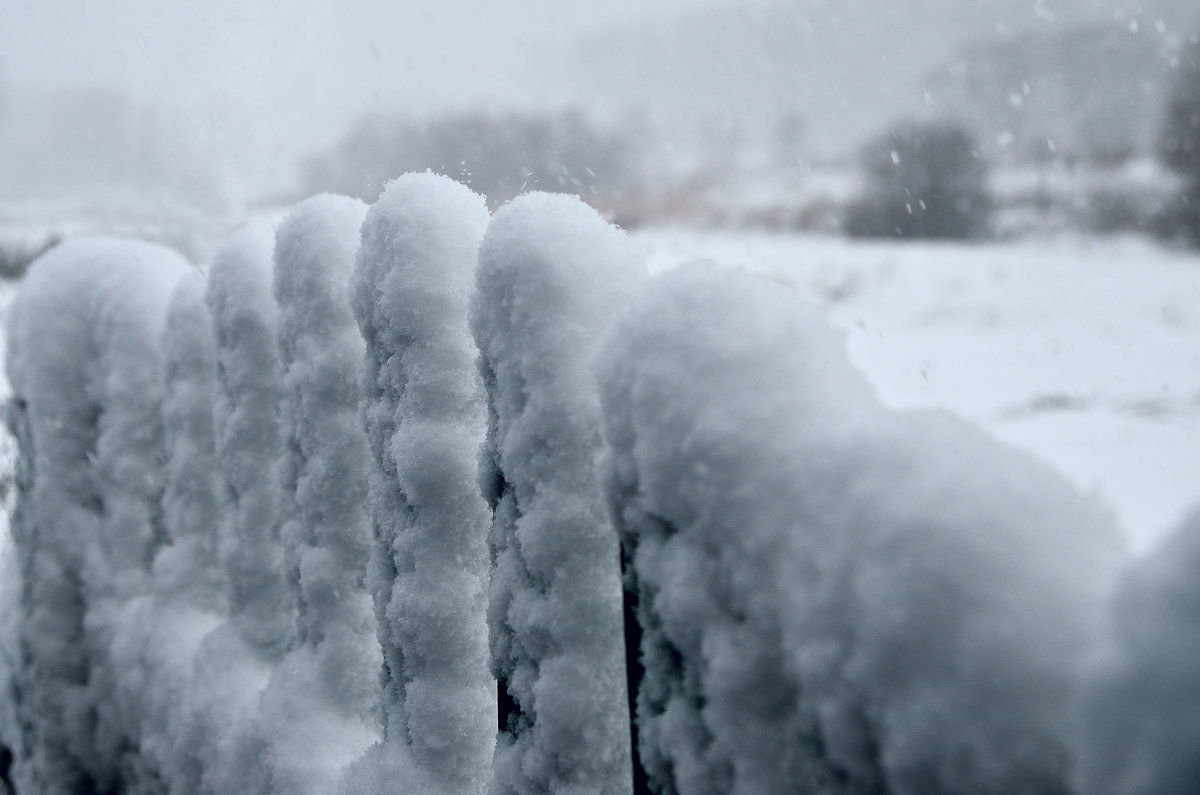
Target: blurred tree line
{"points": [[920, 179], [497, 155], [1179, 146], [928, 179], [923, 180]]}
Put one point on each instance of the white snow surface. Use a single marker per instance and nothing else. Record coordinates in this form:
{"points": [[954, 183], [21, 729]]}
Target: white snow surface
{"points": [[1084, 351], [552, 278], [894, 598], [425, 415]]}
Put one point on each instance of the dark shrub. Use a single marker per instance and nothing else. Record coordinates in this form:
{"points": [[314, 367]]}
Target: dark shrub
{"points": [[1179, 145], [922, 180]]}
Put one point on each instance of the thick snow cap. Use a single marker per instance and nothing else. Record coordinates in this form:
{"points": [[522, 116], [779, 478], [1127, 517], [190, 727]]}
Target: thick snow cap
{"points": [[425, 416], [552, 278]]}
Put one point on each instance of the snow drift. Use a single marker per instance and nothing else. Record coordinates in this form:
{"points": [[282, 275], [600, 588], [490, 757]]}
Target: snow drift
{"points": [[833, 597]]}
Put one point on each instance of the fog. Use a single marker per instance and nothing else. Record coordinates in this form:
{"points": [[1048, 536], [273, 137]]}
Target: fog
{"points": [[212, 108], [260, 84]]}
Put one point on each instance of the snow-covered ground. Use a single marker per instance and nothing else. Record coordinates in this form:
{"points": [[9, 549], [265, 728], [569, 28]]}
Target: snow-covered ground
{"points": [[1084, 351]]}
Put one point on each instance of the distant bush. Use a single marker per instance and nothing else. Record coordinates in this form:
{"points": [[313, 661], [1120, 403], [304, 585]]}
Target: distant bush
{"points": [[923, 180], [1179, 145]]}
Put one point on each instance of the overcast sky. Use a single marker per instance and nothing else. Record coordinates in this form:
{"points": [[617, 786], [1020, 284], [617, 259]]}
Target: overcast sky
{"points": [[296, 72], [260, 83]]}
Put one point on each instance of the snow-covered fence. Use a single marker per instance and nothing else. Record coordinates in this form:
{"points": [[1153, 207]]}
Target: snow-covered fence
{"points": [[823, 595], [552, 277], [833, 597]]}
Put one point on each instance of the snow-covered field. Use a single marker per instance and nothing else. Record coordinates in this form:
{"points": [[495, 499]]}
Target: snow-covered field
{"points": [[1084, 351]]}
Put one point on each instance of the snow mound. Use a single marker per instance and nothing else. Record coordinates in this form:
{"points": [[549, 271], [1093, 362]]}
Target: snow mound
{"points": [[893, 599]]}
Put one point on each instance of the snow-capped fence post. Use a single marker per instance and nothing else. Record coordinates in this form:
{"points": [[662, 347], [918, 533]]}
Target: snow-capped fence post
{"points": [[425, 417], [833, 596], [246, 418], [334, 660], [132, 298], [552, 276], [326, 532], [84, 364], [690, 460], [162, 632], [188, 568]]}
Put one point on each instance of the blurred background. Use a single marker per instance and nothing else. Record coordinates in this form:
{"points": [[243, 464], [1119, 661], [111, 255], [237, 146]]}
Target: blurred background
{"points": [[922, 118]]}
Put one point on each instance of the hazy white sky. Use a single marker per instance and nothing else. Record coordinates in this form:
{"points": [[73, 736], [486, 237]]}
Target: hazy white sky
{"points": [[260, 83], [295, 72]]}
